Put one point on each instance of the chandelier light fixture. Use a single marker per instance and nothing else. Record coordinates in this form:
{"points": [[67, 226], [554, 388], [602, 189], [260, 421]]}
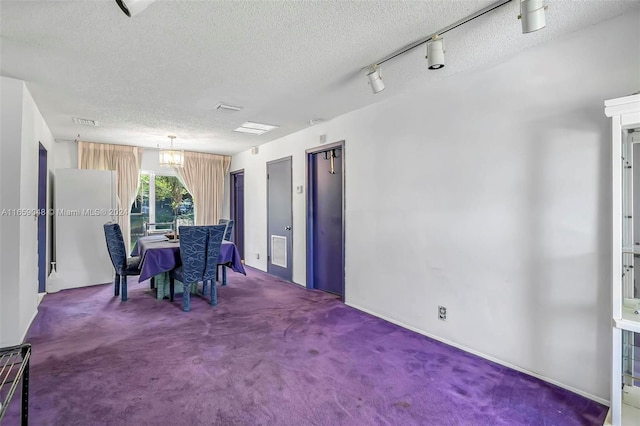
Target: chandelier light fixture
{"points": [[171, 157]]}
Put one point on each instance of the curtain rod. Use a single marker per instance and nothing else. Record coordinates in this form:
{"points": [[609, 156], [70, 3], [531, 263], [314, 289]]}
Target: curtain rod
{"points": [[444, 30], [76, 140]]}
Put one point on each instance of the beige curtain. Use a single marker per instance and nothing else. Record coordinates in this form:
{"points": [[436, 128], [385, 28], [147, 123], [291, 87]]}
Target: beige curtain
{"points": [[203, 175], [125, 160]]}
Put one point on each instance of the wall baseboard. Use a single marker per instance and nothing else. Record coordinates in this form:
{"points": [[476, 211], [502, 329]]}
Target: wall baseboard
{"points": [[481, 355]]}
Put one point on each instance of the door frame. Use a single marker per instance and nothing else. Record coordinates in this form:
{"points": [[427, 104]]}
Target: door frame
{"points": [[310, 210], [43, 180], [289, 260], [232, 207]]}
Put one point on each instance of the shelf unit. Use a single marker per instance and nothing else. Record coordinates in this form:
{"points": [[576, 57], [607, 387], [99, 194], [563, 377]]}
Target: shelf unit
{"points": [[14, 369], [625, 368]]}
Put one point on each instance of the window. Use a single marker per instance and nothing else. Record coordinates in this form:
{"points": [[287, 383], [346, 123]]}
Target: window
{"points": [[162, 201]]}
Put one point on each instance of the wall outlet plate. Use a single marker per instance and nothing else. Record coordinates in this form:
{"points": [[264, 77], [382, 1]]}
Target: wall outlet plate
{"points": [[442, 313]]}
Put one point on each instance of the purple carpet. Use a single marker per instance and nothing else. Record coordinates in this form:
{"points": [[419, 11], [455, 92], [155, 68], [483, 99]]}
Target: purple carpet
{"points": [[270, 353]]}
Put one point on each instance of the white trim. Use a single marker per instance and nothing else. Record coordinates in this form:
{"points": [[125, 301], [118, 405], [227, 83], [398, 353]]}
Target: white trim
{"points": [[40, 297], [26, 330], [481, 355], [621, 106]]}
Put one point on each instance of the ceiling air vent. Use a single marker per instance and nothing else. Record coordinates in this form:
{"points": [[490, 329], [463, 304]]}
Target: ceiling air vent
{"points": [[225, 107], [85, 122]]}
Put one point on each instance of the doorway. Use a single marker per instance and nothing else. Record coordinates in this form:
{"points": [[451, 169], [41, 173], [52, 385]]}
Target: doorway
{"points": [[325, 218], [279, 219], [237, 210], [42, 219]]}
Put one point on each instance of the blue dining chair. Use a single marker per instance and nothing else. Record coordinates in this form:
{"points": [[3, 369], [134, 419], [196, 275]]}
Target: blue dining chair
{"points": [[229, 230], [193, 253], [214, 243], [227, 237], [124, 266]]}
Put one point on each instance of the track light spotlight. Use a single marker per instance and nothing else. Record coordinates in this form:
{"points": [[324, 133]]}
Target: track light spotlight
{"points": [[532, 15], [133, 7], [435, 53], [375, 79]]}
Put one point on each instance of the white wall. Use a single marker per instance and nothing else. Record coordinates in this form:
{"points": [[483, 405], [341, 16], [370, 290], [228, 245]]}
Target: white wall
{"points": [[10, 145], [66, 155], [22, 129], [488, 194]]}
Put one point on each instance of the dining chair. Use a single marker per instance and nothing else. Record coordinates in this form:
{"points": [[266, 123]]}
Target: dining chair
{"points": [[227, 237], [124, 266], [214, 244], [193, 253], [223, 222], [229, 230]]}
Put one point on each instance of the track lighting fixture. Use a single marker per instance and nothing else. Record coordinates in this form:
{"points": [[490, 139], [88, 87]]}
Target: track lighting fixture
{"points": [[532, 15], [435, 53], [133, 7], [375, 79]]}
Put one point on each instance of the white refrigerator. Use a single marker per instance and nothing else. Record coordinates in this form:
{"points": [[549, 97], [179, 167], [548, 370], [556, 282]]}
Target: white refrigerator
{"points": [[84, 200]]}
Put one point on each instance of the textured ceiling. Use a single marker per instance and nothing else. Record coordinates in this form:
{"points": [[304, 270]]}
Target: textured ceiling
{"points": [[164, 70]]}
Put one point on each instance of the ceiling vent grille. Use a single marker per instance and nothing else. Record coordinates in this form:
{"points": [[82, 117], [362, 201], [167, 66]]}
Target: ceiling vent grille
{"points": [[85, 122], [226, 107]]}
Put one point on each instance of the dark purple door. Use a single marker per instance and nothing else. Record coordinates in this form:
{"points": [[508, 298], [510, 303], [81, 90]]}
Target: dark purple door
{"points": [[237, 210], [327, 230], [42, 220]]}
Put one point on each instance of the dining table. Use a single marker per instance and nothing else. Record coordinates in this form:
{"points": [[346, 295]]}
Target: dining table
{"points": [[159, 255]]}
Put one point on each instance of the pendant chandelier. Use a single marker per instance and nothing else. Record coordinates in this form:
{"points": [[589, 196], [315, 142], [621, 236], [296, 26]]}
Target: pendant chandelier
{"points": [[171, 157]]}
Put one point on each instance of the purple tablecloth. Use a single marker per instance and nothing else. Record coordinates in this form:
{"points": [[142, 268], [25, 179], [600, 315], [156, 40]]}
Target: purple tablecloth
{"points": [[161, 255]]}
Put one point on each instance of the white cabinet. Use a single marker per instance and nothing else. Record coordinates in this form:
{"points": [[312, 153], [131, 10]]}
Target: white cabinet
{"points": [[625, 155]]}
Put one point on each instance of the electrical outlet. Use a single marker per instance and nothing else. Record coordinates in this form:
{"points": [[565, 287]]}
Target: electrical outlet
{"points": [[442, 313]]}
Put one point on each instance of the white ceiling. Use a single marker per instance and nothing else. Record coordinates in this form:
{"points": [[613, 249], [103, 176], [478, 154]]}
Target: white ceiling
{"points": [[164, 70]]}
